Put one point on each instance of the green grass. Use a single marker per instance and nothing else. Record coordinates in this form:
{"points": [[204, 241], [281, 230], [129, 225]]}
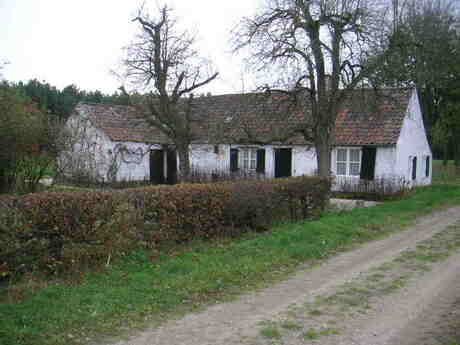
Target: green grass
{"points": [[290, 325], [270, 332], [445, 174], [311, 334], [143, 289]]}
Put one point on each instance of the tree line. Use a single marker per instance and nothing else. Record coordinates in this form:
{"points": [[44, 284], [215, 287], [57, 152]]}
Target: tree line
{"points": [[32, 115], [60, 103]]}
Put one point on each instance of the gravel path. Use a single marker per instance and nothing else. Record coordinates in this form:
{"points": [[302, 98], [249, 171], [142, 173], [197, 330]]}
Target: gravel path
{"points": [[393, 319]]}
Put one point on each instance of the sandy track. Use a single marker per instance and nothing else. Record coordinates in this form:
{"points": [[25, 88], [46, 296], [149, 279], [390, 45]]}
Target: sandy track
{"points": [[237, 322], [422, 313], [415, 316]]}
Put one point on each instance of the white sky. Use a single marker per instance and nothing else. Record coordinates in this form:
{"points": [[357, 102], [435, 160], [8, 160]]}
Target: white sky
{"points": [[78, 42]]}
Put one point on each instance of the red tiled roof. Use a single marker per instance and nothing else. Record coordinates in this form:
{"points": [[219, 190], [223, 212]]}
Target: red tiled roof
{"points": [[370, 118], [249, 118], [367, 118], [121, 123]]}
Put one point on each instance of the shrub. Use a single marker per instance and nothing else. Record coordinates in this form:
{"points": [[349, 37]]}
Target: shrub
{"points": [[64, 232], [305, 197], [24, 134], [58, 232], [188, 211]]}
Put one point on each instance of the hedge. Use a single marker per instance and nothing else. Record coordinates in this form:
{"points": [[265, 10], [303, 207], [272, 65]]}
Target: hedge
{"points": [[65, 232], [62, 232]]}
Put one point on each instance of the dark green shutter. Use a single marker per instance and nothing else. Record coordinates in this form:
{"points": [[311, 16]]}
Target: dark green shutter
{"points": [[427, 167], [233, 160], [261, 161], [414, 168]]}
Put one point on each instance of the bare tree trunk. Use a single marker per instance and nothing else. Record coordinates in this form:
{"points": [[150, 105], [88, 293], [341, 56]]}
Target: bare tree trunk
{"points": [[184, 162], [323, 154]]}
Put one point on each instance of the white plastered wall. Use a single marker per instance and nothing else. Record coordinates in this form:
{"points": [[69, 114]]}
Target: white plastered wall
{"points": [[134, 160], [413, 142], [211, 158], [103, 158], [87, 149]]}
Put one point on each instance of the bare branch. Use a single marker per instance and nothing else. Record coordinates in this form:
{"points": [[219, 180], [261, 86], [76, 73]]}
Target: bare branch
{"points": [[321, 48], [163, 60]]}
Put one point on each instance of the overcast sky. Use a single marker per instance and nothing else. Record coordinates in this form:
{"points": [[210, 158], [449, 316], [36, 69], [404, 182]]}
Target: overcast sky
{"points": [[78, 42]]}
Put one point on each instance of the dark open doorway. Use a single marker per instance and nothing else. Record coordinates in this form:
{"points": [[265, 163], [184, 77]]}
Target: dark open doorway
{"points": [[157, 164], [171, 177], [368, 157], [283, 163]]}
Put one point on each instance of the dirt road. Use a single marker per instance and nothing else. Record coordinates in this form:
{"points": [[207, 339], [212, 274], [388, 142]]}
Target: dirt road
{"points": [[403, 290]]}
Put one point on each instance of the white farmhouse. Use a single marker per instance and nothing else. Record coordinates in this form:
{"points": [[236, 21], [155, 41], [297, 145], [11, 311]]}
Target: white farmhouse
{"points": [[379, 134]]}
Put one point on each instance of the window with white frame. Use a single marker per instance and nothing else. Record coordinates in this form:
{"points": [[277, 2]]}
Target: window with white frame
{"points": [[348, 162], [248, 158]]}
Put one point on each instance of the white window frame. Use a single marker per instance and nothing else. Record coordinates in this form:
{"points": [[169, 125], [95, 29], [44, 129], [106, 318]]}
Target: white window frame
{"points": [[348, 162], [247, 159]]}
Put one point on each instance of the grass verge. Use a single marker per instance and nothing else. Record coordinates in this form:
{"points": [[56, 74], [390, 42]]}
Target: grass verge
{"points": [[445, 173], [143, 289]]}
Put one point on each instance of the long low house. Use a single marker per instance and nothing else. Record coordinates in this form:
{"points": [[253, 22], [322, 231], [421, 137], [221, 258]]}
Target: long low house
{"points": [[379, 134]]}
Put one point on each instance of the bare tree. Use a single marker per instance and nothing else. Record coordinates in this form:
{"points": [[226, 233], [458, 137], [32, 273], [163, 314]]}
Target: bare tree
{"points": [[322, 49], [163, 59]]}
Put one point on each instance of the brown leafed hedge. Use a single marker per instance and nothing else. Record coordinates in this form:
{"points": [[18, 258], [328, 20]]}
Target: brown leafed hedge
{"points": [[62, 232]]}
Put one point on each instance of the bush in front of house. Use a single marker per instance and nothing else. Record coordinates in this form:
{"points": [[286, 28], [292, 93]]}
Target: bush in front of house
{"points": [[64, 232], [305, 197], [189, 211]]}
